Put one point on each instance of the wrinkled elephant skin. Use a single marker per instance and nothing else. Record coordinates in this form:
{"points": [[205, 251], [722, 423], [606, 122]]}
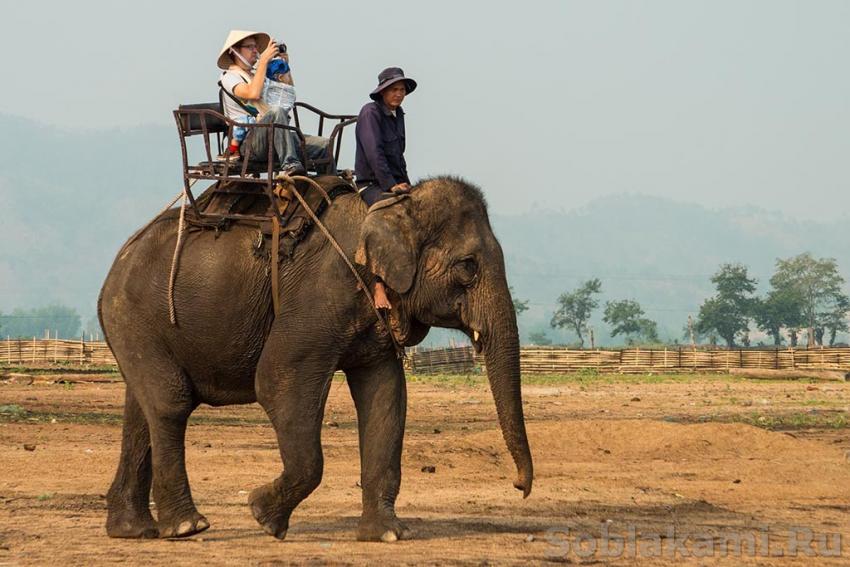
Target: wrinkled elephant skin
{"points": [[443, 267]]}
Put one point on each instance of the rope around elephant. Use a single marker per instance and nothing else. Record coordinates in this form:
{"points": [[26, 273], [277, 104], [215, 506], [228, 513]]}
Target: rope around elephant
{"points": [[362, 284], [172, 313]]}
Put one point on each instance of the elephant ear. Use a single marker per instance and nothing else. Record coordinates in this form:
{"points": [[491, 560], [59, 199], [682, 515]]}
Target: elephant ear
{"points": [[389, 243]]}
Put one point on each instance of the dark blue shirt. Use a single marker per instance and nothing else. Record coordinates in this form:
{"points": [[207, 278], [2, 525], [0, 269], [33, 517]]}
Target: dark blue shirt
{"points": [[380, 146]]}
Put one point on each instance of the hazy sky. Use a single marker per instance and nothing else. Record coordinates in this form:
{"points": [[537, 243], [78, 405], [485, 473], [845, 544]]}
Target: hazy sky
{"points": [[543, 104]]}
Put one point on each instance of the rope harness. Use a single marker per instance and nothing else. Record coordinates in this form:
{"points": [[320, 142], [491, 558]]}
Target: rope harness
{"points": [[172, 313], [142, 230], [399, 349], [286, 179]]}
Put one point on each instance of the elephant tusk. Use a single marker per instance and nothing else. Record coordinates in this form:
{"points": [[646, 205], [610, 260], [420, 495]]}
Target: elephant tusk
{"points": [[476, 341]]}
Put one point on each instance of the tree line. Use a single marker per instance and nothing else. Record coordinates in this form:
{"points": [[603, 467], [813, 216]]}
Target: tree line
{"points": [[805, 297], [60, 321]]}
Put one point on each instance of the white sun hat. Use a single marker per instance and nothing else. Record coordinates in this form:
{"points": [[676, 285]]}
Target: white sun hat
{"points": [[236, 36]]}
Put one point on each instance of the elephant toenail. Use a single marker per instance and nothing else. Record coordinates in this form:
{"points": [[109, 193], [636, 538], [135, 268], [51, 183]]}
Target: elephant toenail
{"points": [[202, 524], [389, 536], [184, 527]]}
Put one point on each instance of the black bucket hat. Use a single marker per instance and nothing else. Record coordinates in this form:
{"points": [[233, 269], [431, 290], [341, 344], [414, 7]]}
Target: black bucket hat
{"points": [[389, 76]]}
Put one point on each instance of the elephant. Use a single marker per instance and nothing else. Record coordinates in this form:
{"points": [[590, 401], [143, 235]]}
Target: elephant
{"points": [[443, 267]]}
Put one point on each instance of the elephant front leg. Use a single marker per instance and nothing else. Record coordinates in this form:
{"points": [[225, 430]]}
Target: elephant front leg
{"points": [[380, 397]]}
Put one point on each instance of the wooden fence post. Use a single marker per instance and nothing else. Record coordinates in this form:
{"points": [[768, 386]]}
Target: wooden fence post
{"points": [[82, 350]]}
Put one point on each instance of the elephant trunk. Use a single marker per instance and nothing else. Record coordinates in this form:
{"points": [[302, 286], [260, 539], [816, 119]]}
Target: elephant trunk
{"points": [[501, 354]]}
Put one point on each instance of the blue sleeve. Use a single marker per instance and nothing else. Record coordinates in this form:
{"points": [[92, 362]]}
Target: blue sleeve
{"points": [[368, 133]]}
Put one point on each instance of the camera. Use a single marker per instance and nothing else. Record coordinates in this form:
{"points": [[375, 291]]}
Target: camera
{"points": [[281, 47]]}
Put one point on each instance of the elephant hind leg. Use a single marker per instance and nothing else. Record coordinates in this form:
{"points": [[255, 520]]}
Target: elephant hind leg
{"points": [[161, 396], [295, 403], [168, 415], [128, 499]]}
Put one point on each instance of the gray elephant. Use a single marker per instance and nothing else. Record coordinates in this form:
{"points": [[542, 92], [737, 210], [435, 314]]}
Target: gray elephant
{"points": [[443, 266]]}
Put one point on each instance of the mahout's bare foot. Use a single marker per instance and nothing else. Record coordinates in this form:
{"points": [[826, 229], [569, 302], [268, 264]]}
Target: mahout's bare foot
{"points": [[381, 299]]}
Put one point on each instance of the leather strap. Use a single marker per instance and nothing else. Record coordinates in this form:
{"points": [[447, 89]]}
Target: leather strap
{"points": [[250, 110], [274, 259]]}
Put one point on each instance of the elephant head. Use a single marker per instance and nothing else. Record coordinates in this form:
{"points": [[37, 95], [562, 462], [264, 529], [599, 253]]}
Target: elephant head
{"points": [[438, 255]]}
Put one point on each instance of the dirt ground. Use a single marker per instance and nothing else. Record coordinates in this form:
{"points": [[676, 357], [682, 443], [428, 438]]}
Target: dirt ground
{"points": [[676, 466]]}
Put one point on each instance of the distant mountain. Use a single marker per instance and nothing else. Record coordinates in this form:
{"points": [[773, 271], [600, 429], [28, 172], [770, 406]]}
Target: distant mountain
{"points": [[69, 199], [67, 202], [657, 251]]}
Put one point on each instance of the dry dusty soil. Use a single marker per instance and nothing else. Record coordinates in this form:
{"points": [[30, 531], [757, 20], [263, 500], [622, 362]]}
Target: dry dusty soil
{"points": [[683, 469]]}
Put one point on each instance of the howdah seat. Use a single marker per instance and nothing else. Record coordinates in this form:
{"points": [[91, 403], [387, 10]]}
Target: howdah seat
{"points": [[252, 173]]}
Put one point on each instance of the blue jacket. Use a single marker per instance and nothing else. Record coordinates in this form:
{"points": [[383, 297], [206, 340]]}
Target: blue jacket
{"points": [[380, 146]]}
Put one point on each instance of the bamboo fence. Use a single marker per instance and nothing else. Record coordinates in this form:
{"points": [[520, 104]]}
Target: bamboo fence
{"points": [[459, 360], [533, 360], [37, 352], [558, 360]]}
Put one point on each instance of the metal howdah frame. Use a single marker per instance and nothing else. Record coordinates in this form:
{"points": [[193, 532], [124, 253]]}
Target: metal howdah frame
{"points": [[207, 121]]}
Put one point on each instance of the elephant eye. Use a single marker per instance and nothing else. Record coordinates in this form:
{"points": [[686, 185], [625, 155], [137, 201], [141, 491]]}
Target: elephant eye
{"points": [[466, 271]]}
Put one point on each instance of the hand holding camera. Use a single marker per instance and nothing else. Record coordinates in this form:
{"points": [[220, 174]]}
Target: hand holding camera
{"points": [[281, 52], [269, 52], [279, 65]]}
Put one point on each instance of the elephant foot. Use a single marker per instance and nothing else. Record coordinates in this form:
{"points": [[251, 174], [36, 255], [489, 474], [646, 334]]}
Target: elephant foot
{"points": [[267, 510], [387, 529], [128, 524], [184, 526]]}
